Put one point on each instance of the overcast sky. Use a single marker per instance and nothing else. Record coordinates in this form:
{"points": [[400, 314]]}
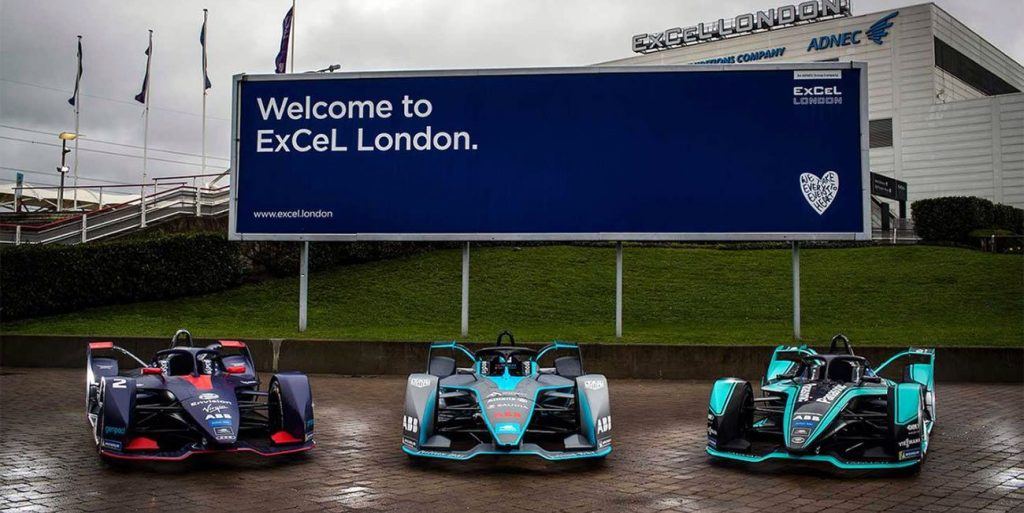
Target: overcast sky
{"points": [[37, 59]]}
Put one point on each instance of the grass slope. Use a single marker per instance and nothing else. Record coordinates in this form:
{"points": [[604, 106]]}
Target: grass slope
{"points": [[915, 295]]}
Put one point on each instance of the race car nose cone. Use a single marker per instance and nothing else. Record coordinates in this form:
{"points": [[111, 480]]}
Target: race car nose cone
{"points": [[216, 414]]}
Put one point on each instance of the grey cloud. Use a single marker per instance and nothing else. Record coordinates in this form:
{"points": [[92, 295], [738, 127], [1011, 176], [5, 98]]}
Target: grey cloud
{"points": [[37, 48]]}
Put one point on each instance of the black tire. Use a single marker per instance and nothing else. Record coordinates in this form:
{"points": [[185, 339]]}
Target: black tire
{"points": [[737, 420], [275, 409], [98, 428]]}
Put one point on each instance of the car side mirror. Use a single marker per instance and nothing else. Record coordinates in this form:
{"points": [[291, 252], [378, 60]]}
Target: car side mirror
{"points": [[236, 369]]}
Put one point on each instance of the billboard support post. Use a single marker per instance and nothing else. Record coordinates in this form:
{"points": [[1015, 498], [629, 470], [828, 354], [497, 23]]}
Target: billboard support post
{"points": [[465, 290], [796, 290], [618, 290], [303, 284]]}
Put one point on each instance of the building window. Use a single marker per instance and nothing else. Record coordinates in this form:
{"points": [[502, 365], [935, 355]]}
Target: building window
{"points": [[960, 66], [880, 133]]}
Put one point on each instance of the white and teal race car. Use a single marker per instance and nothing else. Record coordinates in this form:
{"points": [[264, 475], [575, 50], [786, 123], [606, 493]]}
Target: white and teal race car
{"points": [[509, 400], [833, 408]]}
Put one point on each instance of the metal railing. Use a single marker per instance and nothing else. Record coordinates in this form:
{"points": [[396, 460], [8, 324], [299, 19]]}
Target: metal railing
{"points": [[901, 231], [162, 205]]}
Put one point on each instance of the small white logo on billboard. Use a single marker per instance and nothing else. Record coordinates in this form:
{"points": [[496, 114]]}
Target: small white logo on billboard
{"points": [[818, 74], [419, 382], [820, 192]]}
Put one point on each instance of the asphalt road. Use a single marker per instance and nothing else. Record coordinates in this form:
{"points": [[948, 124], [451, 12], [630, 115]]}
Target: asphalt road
{"points": [[48, 461]]}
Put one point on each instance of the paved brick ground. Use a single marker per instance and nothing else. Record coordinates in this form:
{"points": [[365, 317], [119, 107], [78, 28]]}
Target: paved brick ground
{"points": [[47, 461]]}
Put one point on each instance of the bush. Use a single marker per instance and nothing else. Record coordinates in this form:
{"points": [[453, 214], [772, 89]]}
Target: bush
{"points": [[1008, 218], [48, 279], [952, 219]]}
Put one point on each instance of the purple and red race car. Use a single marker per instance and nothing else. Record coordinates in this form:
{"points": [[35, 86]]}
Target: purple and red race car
{"points": [[191, 400]]}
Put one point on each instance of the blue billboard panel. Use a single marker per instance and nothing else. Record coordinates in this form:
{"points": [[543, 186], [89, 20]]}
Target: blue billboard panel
{"points": [[667, 153]]}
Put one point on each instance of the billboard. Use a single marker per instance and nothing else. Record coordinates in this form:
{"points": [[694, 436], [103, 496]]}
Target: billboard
{"points": [[738, 152]]}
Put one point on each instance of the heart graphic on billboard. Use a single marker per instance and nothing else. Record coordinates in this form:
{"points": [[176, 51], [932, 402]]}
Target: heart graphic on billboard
{"points": [[820, 192]]}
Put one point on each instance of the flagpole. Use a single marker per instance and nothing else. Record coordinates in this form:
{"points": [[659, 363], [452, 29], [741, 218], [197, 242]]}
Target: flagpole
{"points": [[78, 102], [293, 37], [206, 35], [145, 133]]}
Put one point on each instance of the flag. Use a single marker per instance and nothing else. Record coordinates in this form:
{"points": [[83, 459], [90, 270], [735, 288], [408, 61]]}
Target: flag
{"points": [[202, 42], [282, 56], [78, 77], [141, 97]]}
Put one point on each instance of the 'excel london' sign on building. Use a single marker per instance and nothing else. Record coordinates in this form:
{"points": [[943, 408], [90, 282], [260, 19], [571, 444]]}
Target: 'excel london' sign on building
{"points": [[783, 16]]}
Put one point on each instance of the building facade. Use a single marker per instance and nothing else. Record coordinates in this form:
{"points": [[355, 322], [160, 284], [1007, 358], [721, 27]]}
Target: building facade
{"points": [[946, 109]]}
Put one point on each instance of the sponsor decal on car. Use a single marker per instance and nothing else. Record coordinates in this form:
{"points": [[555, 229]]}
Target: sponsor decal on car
{"points": [[214, 408], [832, 394], [805, 393], [113, 430], [111, 444], [807, 416], [202, 402], [908, 442], [419, 382], [411, 424], [207, 397], [910, 454], [507, 428], [604, 424], [593, 384]]}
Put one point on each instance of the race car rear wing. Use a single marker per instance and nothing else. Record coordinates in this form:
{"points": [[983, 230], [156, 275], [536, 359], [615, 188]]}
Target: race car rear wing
{"points": [[100, 346], [104, 366], [918, 365]]}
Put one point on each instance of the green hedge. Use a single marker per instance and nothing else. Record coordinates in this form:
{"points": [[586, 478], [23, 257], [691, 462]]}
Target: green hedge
{"points": [[953, 218], [40, 280], [48, 279]]}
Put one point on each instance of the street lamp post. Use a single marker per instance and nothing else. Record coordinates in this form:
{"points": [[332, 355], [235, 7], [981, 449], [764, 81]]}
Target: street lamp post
{"points": [[63, 168]]}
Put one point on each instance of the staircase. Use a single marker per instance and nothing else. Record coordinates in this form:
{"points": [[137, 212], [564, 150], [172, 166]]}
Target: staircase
{"points": [[120, 219]]}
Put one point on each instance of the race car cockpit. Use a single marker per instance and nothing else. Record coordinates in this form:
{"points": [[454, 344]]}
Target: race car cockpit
{"points": [[495, 361]]}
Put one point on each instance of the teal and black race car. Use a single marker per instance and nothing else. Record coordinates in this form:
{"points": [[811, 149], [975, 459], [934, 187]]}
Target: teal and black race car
{"points": [[506, 402], [832, 408]]}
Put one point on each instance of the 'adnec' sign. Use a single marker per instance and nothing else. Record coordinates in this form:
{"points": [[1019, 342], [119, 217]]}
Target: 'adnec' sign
{"points": [[782, 16]]}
